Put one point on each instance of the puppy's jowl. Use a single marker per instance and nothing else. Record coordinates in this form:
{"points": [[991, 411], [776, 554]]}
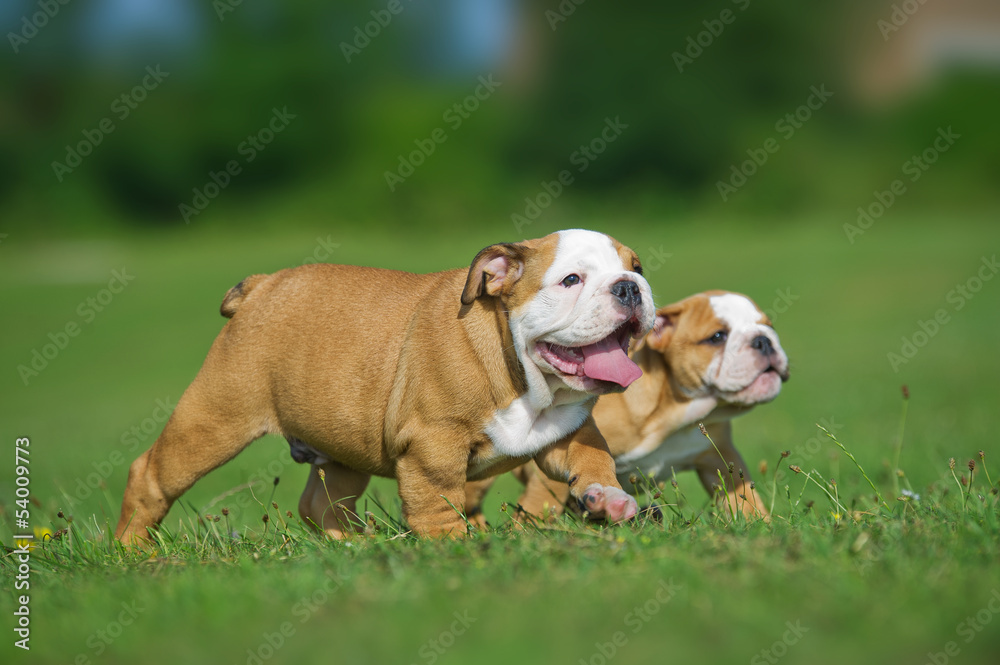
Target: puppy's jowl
{"points": [[709, 358], [432, 379]]}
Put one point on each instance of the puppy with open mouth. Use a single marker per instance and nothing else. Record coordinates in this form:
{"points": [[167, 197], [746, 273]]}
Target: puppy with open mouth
{"points": [[431, 379], [709, 358]]}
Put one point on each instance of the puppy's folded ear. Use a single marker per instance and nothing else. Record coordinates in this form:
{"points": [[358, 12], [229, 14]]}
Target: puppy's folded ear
{"points": [[494, 271], [664, 326]]}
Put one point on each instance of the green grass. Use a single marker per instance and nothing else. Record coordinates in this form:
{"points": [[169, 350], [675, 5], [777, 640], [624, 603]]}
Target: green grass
{"points": [[873, 584]]}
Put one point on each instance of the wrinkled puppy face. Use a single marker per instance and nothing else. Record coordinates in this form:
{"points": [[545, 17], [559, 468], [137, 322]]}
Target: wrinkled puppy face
{"points": [[575, 300], [720, 344]]}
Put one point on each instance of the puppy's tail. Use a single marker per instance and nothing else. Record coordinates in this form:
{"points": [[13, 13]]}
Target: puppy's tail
{"points": [[234, 297]]}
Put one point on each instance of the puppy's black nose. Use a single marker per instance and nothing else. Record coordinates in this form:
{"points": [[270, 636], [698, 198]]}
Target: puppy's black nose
{"points": [[763, 344], [627, 293]]}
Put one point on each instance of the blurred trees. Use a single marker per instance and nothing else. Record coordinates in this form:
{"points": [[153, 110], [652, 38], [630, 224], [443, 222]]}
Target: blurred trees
{"points": [[697, 84]]}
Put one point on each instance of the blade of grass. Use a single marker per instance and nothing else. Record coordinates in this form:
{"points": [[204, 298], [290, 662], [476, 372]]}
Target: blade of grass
{"points": [[899, 440], [857, 464]]}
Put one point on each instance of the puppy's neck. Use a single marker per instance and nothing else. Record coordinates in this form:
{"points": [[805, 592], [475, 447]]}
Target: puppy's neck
{"points": [[656, 399]]}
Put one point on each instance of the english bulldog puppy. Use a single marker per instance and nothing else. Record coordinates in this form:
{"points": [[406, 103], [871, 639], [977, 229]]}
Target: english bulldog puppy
{"points": [[431, 379], [709, 358]]}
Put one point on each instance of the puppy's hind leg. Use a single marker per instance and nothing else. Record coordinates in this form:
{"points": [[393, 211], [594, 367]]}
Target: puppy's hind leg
{"points": [[330, 503], [206, 430], [475, 493], [542, 497]]}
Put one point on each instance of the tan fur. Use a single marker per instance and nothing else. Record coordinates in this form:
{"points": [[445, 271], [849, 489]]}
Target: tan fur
{"points": [[383, 372], [657, 408], [628, 257]]}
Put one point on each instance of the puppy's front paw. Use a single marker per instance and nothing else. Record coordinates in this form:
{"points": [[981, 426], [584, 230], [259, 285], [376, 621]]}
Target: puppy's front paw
{"points": [[611, 502]]}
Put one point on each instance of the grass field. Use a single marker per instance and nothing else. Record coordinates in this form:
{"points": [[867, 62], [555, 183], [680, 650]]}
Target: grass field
{"points": [[915, 582]]}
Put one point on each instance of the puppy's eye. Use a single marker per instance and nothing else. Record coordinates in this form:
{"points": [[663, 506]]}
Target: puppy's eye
{"points": [[637, 268], [571, 280], [718, 338]]}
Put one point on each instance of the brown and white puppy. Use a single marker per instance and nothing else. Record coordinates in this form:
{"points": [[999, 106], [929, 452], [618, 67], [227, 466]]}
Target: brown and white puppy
{"points": [[709, 358], [432, 379]]}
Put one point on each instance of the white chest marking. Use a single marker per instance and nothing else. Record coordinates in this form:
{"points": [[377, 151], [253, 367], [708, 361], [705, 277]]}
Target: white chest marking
{"points": [[677, 451], [654, 437], [519, 429]]}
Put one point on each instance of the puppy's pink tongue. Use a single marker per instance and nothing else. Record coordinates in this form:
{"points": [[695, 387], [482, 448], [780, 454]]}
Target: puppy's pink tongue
{"points": [[605, 361]]}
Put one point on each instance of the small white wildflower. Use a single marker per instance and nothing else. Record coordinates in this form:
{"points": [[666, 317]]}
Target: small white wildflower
{"points": [[910, 494]]}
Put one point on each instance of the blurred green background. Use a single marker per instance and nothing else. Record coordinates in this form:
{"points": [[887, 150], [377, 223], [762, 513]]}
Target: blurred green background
{"points": [[188, 144], [698, 85]]}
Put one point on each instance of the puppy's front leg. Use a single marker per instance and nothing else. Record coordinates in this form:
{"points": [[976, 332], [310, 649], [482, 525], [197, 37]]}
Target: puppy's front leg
{"points": [[431, 474], [584, 462]]}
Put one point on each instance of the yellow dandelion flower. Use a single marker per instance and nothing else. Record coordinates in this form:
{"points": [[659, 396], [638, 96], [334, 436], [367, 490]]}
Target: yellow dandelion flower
{"points": [[41, 533]]}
